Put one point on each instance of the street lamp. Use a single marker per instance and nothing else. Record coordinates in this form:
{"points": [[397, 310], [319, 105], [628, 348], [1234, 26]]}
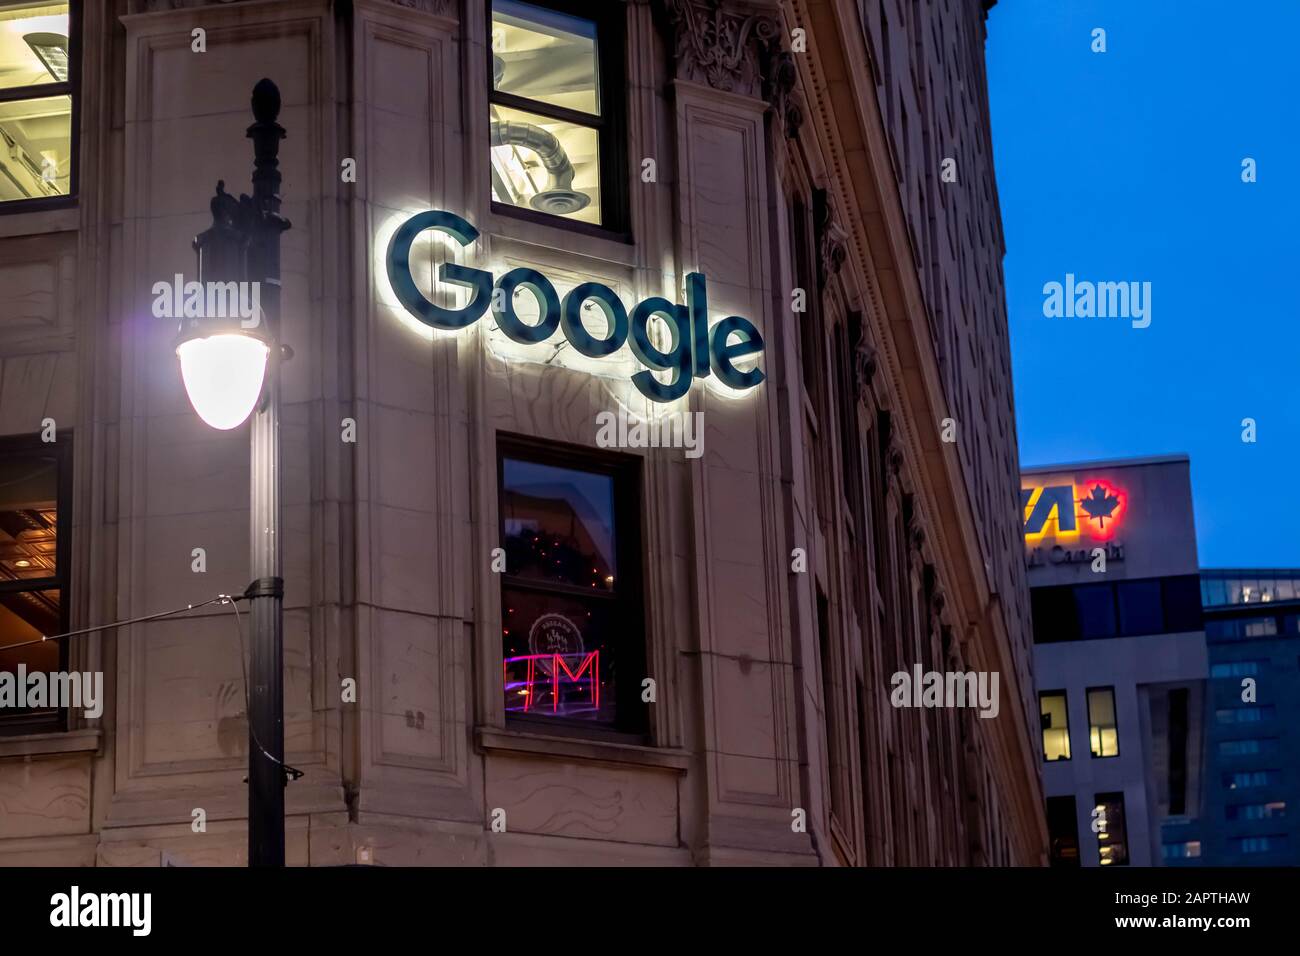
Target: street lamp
{"points": [[230, 366]]}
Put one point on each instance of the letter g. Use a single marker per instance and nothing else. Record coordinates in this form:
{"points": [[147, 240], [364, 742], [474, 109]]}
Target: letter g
{"points": [[404, 287]]}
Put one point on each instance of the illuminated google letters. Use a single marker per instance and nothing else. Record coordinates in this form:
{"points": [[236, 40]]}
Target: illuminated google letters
{"points": [[696, 349]]}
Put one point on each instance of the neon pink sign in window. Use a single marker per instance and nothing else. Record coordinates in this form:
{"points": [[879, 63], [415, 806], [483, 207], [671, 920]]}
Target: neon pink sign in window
{"points": [[565, 685]]}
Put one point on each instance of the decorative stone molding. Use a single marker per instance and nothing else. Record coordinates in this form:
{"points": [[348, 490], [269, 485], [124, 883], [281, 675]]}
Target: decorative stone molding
{"points": [[831, 251], [895, 459], [439, 7], [156, 6], [863, 356], [436, 7], [732, 49], [781, 90]]}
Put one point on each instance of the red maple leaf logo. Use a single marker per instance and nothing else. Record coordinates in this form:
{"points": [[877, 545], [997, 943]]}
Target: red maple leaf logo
{"points": [[1099, 504]]}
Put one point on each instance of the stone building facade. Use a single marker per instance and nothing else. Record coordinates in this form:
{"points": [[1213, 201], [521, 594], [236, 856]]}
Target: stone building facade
{"points": [[851, 516]]}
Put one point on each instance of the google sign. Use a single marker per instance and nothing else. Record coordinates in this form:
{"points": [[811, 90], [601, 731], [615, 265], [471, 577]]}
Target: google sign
{"points": [[697, 350]]}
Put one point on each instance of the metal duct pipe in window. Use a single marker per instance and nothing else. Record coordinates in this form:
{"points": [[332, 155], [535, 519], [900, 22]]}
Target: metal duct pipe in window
{"points": [[52, 50], [560, 198]]}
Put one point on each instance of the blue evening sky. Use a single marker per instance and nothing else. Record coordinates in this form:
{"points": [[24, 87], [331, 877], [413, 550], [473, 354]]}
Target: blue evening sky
{"points": [[1126, 165]]}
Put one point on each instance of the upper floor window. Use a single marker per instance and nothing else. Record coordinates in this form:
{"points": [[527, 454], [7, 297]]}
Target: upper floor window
{"points": [[572, 645], [33, 571], [1056, 725], [1103, 733], [556, 119], [37, 67]]}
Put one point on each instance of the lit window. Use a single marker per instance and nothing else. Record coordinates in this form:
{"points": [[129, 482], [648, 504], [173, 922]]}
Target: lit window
{"points": [[1112, 834], [1103, 732], [1056, 725], [33, 567], [571, 627], [553, 132], [35, 101]]}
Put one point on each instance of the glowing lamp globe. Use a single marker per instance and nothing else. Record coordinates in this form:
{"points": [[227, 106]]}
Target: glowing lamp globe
{"points": [[223, 375]]}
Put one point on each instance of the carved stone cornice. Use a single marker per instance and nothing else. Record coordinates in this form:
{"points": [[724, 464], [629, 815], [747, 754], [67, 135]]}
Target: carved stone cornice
{"points": [[735, 49]]}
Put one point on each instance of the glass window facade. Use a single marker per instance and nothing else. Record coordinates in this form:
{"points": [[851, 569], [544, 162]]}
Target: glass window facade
{"points": [[36, 154], [1245, 714], [1272, 810], [1235, 668], [1140, 610], [1187, 850], [1271, 843], [1247, 746], [1168, 605], [1228, 587], [1246, 779]]}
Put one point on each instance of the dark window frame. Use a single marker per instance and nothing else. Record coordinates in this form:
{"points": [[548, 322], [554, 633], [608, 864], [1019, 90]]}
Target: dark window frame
{"points": [[71, 89], [632, 716], [1114, 707], [610, 20], [31, 446]]}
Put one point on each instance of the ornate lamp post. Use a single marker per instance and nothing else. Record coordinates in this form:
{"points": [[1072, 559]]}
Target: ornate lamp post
{"points": [[231, 369]]}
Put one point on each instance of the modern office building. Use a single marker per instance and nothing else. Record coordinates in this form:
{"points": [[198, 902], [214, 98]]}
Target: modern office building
{"points": [[510, 637], [1119, 653], [1252, 780]]}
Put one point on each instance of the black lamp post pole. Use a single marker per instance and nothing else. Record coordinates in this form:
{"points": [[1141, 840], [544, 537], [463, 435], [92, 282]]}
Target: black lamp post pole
{"points": [[243, 245], [266, 772]]}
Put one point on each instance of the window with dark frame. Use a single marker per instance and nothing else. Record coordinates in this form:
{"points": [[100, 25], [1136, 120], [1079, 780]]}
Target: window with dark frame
{"points": [[1111, 829], [34, 495], [38, 108], [1103, 728], [1055, 722], [573, 647], [1063, 831], [557, 142]]}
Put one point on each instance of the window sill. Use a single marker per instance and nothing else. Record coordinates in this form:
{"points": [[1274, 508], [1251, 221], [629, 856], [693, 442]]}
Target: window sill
{"points": [[53, 215], [58, 742], [496, 740]]}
